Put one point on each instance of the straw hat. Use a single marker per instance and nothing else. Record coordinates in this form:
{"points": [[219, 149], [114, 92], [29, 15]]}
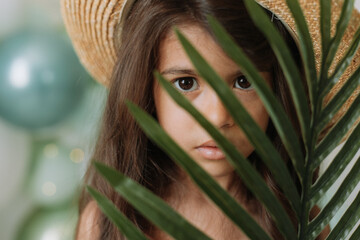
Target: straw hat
{"points": [[91, 26]]}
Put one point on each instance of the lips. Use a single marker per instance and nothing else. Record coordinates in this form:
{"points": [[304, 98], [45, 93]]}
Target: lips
{"points": [[209, 150]]}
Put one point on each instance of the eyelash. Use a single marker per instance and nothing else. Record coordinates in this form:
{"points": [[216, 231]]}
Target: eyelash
{"points": [[175, 82]]}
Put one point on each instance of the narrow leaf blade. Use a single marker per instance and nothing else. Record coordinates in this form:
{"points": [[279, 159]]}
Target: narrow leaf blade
{"points": [[325, 22], [242, 118], [328, 212], [342, 65], [335, 135], [125, 226], [287, 63], [307, 49], [274, 108], [340, 30], [151, 206], [242, 166], [340, 98], [325, 17], [347, 221], [337, 166], [206, 183], [356, 234]]}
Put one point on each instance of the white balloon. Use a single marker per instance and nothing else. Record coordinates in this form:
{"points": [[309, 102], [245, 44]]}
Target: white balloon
{"points": [[43, 13], [357, 5], [50, 224], [11, 16], [15, 149]]}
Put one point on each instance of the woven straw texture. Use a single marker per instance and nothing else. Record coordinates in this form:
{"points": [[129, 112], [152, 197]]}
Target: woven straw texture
{"points": [[91, 26]]}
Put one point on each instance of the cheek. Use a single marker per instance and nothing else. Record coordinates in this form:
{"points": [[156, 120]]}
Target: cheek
{"points": [[172, 118], [253, 104], [259, 114]]}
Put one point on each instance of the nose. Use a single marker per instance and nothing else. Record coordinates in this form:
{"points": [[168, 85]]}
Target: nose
{"points": [[214, 110]]}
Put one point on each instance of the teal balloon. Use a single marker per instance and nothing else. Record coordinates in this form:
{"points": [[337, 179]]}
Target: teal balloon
{"points": [[41, 79], [49, 224], [55, 175]]}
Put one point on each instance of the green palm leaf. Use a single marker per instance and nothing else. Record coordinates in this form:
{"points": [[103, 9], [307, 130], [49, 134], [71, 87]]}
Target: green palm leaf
{"points": [[337, 166], [213, 190], [276, 112], [338, 101], [242, 118], [345, 189], [241, 165], [287, 63], [306, 49], [325, 25], [312, 121], [348, 221], [118, 218], [335, 41], [153, 208], [343, 64], [355, 235], [334, 137]]}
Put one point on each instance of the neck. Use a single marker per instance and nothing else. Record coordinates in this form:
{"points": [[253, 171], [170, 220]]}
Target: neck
{"points": [[185, 190], [188, 200]]}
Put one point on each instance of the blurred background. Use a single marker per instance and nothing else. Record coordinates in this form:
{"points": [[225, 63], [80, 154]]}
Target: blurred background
{"points": [[50, 110]]}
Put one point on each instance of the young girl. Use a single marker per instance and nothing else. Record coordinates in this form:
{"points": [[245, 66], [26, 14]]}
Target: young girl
{"points": [[145, 42]]}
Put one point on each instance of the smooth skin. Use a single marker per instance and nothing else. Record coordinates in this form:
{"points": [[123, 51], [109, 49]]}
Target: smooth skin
{"points": [[175, 65]]}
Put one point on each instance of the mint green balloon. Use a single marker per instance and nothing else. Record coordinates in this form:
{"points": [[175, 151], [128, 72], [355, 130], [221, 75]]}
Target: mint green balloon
{"points": [[41, 79], [50, 224]]}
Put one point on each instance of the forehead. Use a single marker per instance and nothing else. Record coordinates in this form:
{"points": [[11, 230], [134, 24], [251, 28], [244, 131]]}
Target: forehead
{"points": [[172, 54]]}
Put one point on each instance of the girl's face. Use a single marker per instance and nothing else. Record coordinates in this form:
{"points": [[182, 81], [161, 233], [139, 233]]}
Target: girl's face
{"points": [[177, 68]]}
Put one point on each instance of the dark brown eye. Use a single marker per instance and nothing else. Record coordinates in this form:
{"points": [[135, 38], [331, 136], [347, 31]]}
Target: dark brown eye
{"points": [[186, 84], [242, 83]]}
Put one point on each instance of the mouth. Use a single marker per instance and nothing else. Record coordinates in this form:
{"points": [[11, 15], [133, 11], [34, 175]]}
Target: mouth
{"points": [[209, 150]]}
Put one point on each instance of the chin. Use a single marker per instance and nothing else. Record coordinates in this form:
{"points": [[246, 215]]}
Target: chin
{"points": [[218, 170]]}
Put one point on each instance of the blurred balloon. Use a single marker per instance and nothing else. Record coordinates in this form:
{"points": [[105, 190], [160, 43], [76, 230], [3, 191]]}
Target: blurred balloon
{"points": [[43, 14], [11, 15], [48, 224], [41, 80], [15, 149], [55, 175]]}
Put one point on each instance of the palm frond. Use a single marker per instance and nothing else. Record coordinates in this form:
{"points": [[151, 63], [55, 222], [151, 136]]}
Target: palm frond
{"points": [[342, 65], [306, 49], [117, 217], [333, 138], [241, 165], [273, 107], [335, 41], [336, 167], [242, 118], [206, 183], [355, 235], [312, 121], [155, 209], [343, 192], [325, 26], [291, 71], [339, 99], [348, 221]]}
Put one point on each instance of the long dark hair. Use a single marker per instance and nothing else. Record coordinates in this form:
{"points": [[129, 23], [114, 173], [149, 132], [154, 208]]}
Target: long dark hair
{"points": [[124, 146]]}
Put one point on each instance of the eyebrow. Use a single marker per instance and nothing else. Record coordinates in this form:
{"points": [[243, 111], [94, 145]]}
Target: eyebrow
{"points": [[175, 71], [178, 71]]}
